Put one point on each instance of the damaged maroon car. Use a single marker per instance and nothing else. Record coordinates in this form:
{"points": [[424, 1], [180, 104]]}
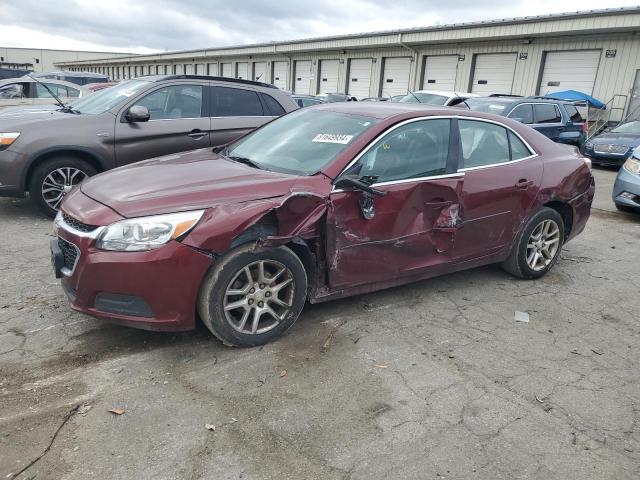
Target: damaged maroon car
{"points": [[325, 202]]}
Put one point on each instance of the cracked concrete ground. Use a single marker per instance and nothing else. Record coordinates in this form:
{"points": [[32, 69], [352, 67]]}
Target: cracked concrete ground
{"points": [[428, 381]]}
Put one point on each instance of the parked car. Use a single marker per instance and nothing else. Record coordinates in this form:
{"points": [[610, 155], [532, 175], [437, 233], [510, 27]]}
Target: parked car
{"points": [[375, 99], [436, 97], [47, 153], [322, 203], [626, 189], [79, 78], [336, 97], [307, 100], [556, 119], [95, 87], [26, 91], [614, 146]]}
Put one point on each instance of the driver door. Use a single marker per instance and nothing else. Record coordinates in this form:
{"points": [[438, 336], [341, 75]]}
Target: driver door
{"points": [[411, 228]]}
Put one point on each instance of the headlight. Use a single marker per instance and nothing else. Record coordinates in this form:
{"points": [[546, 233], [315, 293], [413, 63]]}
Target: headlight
{"points": [[7, 139], [147, 233], [632, 165], [588, 145]]}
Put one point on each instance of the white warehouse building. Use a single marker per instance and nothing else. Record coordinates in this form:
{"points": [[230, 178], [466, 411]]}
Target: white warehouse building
{"points": [[596, 52]]}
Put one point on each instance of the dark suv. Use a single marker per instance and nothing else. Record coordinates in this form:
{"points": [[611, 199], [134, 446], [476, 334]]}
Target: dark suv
{"points": [[558, 120], [47, 153]]}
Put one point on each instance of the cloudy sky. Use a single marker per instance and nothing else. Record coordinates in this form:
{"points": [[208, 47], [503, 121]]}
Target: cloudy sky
{"points": [[143, 26]]}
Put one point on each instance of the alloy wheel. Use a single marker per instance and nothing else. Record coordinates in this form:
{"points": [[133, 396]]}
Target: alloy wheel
{"points": [[58, 183], [259, 297], [542, 245]]}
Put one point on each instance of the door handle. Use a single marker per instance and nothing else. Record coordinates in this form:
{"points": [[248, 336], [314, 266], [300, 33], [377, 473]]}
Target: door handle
{"points": [[524, 183], [438, 203], [196, 134]]}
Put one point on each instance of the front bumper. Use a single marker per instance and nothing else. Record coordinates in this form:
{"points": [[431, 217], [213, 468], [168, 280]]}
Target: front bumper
{"points": [[12, 165], [606, 158], [626, 183], [152, 290]]}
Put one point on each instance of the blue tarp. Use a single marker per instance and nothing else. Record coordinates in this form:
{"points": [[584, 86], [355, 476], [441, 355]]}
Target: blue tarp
{"points": [[574, 95]]}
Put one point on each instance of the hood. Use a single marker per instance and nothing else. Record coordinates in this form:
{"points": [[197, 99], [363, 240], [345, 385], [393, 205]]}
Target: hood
{"points": [[16, 118], [181, 182], [628, 139]]}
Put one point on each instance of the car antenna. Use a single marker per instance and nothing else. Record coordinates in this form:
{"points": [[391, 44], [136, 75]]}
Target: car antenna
{"points": [[60, 102], [414, 96]]}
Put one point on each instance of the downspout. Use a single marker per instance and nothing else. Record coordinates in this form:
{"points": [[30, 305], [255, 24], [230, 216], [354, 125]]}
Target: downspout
{"points": [[416, 55]]}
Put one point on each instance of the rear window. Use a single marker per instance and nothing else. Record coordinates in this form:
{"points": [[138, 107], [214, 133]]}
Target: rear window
{"points": [[271, 105], [547, 113], [574, 114], [235, 102], [497, 108]]}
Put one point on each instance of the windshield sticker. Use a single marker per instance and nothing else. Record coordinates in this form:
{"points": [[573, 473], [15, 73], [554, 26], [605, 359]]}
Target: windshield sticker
{"points": [[332, 138]]}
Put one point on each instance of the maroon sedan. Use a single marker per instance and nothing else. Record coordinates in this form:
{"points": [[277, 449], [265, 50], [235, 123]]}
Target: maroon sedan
{"points": [[323, 203]]}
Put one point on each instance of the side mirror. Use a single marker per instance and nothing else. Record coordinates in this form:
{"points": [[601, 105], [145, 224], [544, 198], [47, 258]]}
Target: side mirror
{"points": [[350, 182], [138, 113]]}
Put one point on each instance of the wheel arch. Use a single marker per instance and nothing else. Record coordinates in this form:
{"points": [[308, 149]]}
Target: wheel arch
{"points": [[565, 211], [42, 156]]}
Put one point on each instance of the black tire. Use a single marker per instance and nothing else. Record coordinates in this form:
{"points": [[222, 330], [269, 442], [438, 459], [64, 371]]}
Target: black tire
{"points": [[48, 167], [230, 268], [517, 264]]}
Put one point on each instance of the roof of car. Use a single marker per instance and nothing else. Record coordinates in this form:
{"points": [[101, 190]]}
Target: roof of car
{"points": [[383, 110], [509, 100], [446, 93], [160, 78]]}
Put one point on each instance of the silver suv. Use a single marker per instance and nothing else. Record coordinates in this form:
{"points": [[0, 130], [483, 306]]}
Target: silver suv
{"points": [[47, 153]]}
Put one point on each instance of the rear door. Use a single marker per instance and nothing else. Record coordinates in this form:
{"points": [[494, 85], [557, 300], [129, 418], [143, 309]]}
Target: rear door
{"points": [[234, 112], [411, 228], [179, 122], [501, 180]]}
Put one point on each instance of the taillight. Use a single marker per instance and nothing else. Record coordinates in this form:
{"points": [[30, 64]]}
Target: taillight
{"points": [[584, 128]]}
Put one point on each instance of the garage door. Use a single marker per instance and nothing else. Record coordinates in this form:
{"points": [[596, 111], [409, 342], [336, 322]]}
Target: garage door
{"points": [[260, 71], [328, 76], [395, 77], [227, 69], [212, 69], [440, 72], [188, 69], [302, 83], [359, 77], [494, 73], [280, 74], [242, 70], [575, 70]]}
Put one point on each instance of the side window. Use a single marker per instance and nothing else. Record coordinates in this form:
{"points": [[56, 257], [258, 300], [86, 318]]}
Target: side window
{"points": [[523, 112], [574, 114], [547, 113], [272, 106], [483, 143], [72, 92], [235, 102], [417, 149], [518, 149], [13, 90], [42, 92], [175, 101]]}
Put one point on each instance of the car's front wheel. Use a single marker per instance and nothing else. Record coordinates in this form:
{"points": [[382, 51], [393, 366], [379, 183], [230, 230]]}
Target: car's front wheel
{"points": [[251, 296], [53, 179], [538, 246]]}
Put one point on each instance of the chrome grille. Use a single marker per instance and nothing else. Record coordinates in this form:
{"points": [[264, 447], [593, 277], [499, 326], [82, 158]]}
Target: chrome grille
{"points": [[77, 224], [70, 253]]}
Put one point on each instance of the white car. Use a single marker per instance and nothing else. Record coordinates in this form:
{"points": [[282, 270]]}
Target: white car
{"points": [[26, 91], [437, 97]]}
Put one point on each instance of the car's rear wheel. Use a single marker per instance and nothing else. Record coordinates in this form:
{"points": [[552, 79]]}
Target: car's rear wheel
{"points": [[538, 246], [52, 180], [253, 295]]}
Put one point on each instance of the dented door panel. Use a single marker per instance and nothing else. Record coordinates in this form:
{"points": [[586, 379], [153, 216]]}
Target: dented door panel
{"points": [[413, 229]]}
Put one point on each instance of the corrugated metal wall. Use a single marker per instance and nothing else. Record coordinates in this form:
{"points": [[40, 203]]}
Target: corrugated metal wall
{"points": [[615, 74]]}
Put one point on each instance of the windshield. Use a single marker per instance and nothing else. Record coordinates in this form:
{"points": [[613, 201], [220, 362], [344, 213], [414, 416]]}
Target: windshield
{"points": [[108, 98], [302, 142], [428, 98], [484, 106], [629, 127]]}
